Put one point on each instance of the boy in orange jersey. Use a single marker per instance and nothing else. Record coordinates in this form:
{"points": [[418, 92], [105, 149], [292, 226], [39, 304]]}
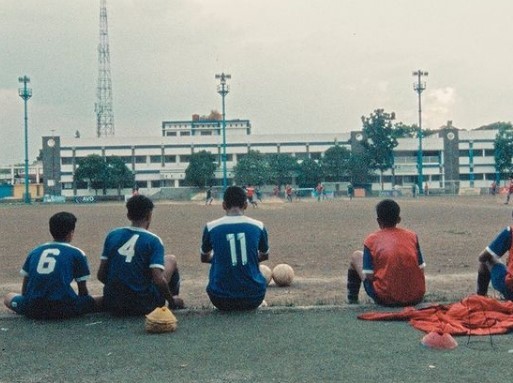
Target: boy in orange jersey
{"points": [[391, 263]]}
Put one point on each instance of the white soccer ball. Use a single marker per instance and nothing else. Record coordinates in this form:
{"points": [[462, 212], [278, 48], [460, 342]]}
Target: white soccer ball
{"points": [[266, 272], [283, 274]]}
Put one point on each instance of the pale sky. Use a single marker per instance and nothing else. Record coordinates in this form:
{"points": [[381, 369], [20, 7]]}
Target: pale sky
{"points": [[301, 66]]}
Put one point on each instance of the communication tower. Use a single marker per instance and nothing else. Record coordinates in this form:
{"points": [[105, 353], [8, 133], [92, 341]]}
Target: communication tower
{"points": [[103, 106]]}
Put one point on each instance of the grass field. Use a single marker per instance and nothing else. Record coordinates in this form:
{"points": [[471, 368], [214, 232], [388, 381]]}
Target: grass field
{"points": [[281, 343]]}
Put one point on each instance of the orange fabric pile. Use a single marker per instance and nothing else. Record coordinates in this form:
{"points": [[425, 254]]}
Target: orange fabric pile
{"points": [[474, 315]]}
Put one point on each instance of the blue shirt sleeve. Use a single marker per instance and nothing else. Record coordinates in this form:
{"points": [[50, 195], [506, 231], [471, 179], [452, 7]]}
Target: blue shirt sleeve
{"points": [[420, 258], [501, 244], [81, 269], [368, 266], [157, 255], [206, 244], [263, 246]]}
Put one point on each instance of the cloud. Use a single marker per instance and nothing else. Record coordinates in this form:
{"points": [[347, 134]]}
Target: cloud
{"points": [[439, 106]]}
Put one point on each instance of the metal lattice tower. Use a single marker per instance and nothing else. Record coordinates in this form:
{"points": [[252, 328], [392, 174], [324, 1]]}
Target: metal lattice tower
{"points": [[103, 106]]}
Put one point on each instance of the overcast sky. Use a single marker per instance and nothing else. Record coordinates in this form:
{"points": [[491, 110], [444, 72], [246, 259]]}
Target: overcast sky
{"points": [[296, 65]]}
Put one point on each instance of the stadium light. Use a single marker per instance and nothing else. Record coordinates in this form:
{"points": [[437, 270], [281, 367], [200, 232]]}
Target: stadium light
{"points": [[25, 93], [223, 89], [418, 87]]}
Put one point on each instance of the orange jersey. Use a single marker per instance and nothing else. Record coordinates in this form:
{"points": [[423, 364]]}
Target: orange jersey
{"points": [[393, 256]]}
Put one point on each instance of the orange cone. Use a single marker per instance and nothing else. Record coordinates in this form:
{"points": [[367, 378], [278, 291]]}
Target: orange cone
{"points": [[440, 341]]}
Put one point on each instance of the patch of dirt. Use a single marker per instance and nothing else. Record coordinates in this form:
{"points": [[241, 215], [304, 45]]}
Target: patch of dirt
{"points": [[315, 238]]}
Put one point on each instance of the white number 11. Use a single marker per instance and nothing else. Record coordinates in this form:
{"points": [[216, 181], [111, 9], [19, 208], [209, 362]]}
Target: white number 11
{"points": [[232, 238]]}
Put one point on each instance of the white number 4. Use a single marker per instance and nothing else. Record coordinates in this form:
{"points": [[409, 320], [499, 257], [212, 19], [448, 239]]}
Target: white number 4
{"points": [[128, 249]]}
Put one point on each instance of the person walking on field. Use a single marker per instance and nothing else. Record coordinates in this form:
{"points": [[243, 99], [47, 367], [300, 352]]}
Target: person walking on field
{"points": [[137, 276], [234, 245], [47, 273], [491, 269], [391, 265], [209, 198], [288, 192], [510, 190]]}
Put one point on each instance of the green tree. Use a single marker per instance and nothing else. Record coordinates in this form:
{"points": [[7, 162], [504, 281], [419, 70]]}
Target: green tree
{"points": [[252, 169], [309, 173], [282, 167], [504, 150], [335, 163], [93, 170], [379, 140], [200, 171], [119, 175]]}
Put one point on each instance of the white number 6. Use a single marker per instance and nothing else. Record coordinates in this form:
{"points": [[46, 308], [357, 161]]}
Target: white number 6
{"points": [[47, 263]]}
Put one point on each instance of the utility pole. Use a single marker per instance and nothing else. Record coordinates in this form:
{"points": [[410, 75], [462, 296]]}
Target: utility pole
{"points": [[25, 93], [103, 106], [223, 89], [418, 87]]}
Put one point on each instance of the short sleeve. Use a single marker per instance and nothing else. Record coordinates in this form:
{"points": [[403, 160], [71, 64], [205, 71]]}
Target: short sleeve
{"points": [[501, 243]]}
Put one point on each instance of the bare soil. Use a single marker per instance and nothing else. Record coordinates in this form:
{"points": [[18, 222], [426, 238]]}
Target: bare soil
{"points": [[315, 238]]}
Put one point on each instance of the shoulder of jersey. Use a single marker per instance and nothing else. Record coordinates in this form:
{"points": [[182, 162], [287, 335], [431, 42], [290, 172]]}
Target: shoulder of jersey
{"points": [[232, 220]]}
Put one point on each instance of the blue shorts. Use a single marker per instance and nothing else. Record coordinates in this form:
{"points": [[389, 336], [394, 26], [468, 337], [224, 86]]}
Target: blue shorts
{"points": [[498, 277], [235, 304], [369, 289], [121, 300], [46, 309]]}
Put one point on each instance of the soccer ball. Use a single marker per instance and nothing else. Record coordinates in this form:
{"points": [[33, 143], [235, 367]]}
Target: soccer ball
{"points": [[266, 272], [283, 274]]}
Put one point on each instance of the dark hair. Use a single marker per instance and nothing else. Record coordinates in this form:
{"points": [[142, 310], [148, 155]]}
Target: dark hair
{"points": [[388, 212], [61, 224], [234, 196], [138, 207]]}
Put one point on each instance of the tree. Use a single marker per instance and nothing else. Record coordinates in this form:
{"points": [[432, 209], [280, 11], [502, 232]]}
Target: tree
{"points": [[335, 163], [504, 150], [93, 170], [379, 140], [309, 173], [252, 169], [200, 171], [119, 175], [282, 167]]}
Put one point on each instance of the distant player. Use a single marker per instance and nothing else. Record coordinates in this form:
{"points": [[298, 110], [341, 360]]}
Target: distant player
{"points": [[391, 265], [250, 193], [209, 197], [47, 275], [492, 269], [234, 245], [138, 277], [288, 192], [510, 191]]}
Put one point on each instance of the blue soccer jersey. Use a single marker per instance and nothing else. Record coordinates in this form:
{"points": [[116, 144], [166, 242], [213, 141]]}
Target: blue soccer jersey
{"points": [[131, 253], [235, 241], [50, 268]]}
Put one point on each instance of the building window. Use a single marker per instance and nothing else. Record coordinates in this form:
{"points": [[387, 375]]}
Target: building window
{"points": [[155, 184], [170, 133], [140, 159], [169, 159], [185, 133], [489, 153], [126, 159], [185, 158], [206, 133], [155, 159], [67, 160]]}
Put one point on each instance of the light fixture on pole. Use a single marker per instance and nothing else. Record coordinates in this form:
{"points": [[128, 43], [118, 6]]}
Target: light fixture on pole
{"points": [[418, 87], [223, 89], [25, 93]]}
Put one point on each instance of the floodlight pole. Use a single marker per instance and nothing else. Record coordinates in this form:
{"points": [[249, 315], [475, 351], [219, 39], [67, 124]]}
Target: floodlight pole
{"points": [[418, 87], [223, 89], [25, 93]]}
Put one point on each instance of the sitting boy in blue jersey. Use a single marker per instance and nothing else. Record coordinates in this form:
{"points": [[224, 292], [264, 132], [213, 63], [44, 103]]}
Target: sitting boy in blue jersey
{"points": [[138, 277], [234, 245], [491, 268], [47, 275]]}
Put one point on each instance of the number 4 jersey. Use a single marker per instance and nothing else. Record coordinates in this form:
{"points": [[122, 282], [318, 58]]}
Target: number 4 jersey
{"points": [[235, 241], [50, 269]]}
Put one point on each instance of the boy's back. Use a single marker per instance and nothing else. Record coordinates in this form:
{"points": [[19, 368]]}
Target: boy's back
{"points": [[50, 268]]}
